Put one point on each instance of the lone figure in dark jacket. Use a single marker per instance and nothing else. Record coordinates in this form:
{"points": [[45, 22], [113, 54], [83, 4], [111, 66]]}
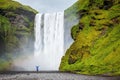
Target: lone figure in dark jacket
{"points": [[37, 68]]}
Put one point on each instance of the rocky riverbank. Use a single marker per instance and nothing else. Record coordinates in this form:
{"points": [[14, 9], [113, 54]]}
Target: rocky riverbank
{"points": [[52, 76]]}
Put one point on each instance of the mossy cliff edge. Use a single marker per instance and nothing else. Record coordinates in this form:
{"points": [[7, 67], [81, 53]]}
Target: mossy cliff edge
{"points": [[96, 46], [16, 30]]}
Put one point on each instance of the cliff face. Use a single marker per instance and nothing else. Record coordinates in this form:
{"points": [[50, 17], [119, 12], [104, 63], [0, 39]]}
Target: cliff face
{"points": [[96, 46], [70, 18], [16, 30]]}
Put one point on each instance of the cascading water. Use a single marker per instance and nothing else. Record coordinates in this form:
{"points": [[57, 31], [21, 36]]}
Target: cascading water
{"points": [[38, 34], [48, 46], [49, 40]]}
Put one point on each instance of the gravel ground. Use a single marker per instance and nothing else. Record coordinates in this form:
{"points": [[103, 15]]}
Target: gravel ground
{"points": [[52, 76]]}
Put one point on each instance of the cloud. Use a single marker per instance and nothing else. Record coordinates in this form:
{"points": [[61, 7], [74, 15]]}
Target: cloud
{"points": [[48, 5]]}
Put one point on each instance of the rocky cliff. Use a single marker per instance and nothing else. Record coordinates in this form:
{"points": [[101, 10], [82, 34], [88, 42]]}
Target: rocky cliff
{"points": [[16, 30], [96, 46]]}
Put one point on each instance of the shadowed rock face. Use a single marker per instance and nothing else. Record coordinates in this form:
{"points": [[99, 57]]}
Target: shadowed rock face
{"points": [[96, 45], [16, 30]]}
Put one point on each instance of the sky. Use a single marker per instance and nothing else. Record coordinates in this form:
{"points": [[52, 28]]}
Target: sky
{"points": [[44, 6]]}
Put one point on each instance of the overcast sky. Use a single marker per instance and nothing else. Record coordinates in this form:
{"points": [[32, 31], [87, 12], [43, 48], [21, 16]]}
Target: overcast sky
{"points": [[48, 5]]}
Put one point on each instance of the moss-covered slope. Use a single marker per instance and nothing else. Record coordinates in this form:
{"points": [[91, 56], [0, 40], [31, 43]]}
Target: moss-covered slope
{"points": [[96, 47], [16, 30]]}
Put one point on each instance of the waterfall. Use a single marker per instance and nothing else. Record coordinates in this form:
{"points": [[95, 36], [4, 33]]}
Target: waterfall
{"points": [[38, 34], [49, 40]]}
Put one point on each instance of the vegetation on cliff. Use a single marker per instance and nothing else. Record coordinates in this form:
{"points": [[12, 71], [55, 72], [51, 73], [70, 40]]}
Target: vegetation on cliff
{"points": [[16, 30], [96, 47]]}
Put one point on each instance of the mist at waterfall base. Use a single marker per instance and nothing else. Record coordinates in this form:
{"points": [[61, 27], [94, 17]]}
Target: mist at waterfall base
{"points": [[48, 45]]}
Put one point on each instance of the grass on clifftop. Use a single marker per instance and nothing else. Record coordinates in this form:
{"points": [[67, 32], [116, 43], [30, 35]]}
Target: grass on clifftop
{"points": [[13, 5]]}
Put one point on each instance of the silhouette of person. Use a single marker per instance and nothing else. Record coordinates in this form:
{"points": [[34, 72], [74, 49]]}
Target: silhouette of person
{"points": [[37, 68]]}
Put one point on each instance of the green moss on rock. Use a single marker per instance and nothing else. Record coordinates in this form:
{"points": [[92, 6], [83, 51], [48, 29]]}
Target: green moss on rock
{"points": [[16, 30], [96, 49], [13, 5]]}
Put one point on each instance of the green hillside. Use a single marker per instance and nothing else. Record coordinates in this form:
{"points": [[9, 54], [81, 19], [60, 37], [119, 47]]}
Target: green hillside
{"points": [[96, 47], [16, 31]]}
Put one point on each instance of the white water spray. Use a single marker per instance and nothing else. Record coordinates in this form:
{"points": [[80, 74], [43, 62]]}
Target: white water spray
{"points": [[48, 46], [49, 40], [38, 34]]}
